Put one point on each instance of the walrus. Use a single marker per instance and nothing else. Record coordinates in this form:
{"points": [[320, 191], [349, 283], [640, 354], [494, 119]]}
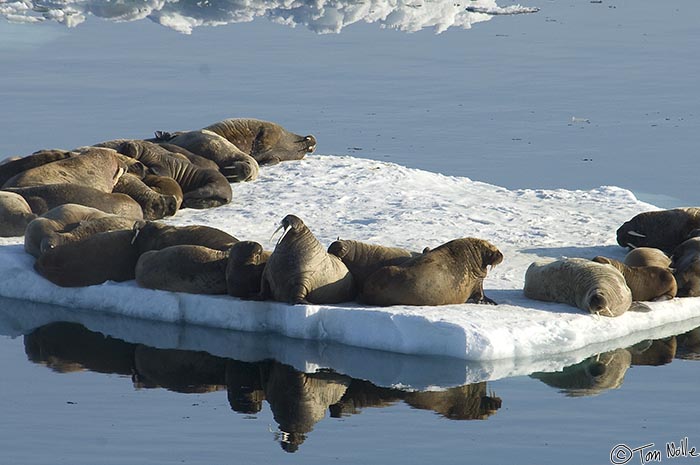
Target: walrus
{"points": [[202, 188], [236, 165], [197, 160], [69, 223], [244, 269], [15, 214], [363, 259], [153, 235], [654, 353], [593, 287], [686, 266], [11, 168], [153, 204], [244, 386], [92, 167], [664, 229], [183, 268], [267, 142], [301, 271], [41, 199], [467, 402], [647, 283], [647, 256], [101, 257], [165, 186], [452, 273]]}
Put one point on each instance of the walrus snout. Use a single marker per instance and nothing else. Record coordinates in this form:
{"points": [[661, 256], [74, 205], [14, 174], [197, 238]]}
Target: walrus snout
{"points": [[310, 142], [338, 248], [293, 222]]}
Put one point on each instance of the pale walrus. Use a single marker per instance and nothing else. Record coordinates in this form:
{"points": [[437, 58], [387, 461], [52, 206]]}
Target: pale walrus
{"points": [[664, 229], [452, 273], [69, 223], [153, 235], [153, 204], [202, 188], [593, 287], [43, 198], [244, 269], [301, 271], [15, 214], [647, 256], [686, 266], [363, 259], [101, 257], [11, 168], [183, 268], [92, 167], [647, 283], [267, 142], [236, 165]]}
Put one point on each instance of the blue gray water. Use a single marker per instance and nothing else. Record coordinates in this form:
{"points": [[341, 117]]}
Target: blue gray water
{"points": [[575, 96]]}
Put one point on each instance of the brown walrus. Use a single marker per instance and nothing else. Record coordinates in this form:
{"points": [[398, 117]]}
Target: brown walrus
{"points": [[202, 188], [647, 256], [178, 370], [43, 198], [363, 259], [452, 273], [664, 229], [183, 268], [153, 235], [647, 283], [101, 257], [15, 214], [193, 158], [267, 142], [593, 287], [244, 269], [92, 167], [236, 165], [11, 168], [301, 271], [153, 204], [165, 186], [69, 223], [686, 266]]}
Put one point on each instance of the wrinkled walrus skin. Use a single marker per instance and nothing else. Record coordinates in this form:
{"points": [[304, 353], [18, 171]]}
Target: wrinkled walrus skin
{"points": [[647, 283], [301, 271], [664, 229], [452, 273], [593, 287], [15, 214], [363, 259], [647, 256], [154, 235]]}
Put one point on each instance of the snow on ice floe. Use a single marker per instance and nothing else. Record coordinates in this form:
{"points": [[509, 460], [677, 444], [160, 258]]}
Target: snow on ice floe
{"points": [[323, 16], [389, 204]]}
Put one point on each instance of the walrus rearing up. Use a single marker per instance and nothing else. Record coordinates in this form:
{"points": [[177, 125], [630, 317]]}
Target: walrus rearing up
{"points": [[301, 271]]}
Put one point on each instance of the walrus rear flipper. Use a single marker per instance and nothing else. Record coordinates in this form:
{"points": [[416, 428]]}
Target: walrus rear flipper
{"points": [[640, 307], [163, 136]]}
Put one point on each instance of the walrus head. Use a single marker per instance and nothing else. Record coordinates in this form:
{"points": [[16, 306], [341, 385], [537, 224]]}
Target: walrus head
{"points": [[338, 248], [664, 229], [289, 223], [246, 252]]}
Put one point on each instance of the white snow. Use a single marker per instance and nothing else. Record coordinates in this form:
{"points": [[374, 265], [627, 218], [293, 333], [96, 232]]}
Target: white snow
{"points": [[322, 16], [392, 205]]}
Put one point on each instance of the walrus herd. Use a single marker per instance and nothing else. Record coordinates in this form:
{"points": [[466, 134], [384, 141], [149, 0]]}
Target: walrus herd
{"points": [[89, 215]]}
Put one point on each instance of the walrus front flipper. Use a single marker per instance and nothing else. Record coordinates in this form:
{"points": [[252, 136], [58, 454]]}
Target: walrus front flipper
{"points": [[483, 300], [640, 307]]}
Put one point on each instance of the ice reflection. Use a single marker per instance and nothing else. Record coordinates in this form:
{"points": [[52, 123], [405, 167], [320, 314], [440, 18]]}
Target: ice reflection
{"points": [[322, 16], [297, 400]]}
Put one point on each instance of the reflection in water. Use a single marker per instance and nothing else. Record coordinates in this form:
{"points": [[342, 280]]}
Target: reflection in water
{"points": [[297, 400], [321, 16], [607, 370]]}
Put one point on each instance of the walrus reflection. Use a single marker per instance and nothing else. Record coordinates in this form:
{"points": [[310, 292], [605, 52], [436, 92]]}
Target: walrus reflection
{"points": [[244, 386], [591, 376], [176, 370], [299, 400], [689, 345], [68, 347]]}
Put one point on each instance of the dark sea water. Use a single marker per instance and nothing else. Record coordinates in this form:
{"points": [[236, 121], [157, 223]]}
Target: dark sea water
{"points": [[575, 96]]}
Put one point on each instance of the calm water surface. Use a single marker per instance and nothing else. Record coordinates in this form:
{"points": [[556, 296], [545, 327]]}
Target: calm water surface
{"points": [[494, 103]]}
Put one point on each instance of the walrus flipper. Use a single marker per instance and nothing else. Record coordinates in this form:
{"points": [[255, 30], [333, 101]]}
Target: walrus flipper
{"points": [[163, 136]]}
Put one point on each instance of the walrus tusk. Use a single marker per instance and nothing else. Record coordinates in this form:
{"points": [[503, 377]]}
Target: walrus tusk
{"points": [[636, 234], [282, 236], [136, 234], [631, 246]]}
